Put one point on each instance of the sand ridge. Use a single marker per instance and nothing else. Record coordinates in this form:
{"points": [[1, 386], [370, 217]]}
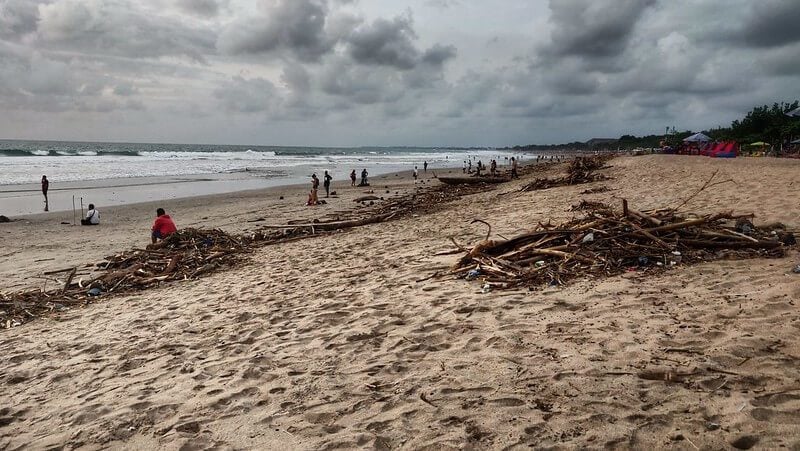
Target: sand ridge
{"points": [[332, 343]]}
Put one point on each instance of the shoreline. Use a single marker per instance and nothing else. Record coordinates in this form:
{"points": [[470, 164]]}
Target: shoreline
{"points": [[41, 242], [17, 200]]}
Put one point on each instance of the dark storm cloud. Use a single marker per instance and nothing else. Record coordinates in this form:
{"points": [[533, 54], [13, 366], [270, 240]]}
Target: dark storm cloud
{"points": [[119, 29], [294, 26], [594, 28], [247, 95], [385, 43], [439, 54], [17, 18], [771, 23], [202, 8]]}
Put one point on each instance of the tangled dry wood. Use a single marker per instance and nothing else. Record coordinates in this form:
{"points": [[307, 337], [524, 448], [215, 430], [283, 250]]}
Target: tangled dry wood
{"points": [[580, 170], [604, 242], [192, 253]]}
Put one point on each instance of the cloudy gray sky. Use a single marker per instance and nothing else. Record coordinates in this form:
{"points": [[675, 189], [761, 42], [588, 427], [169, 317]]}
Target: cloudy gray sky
{"points": [[383, 72]]}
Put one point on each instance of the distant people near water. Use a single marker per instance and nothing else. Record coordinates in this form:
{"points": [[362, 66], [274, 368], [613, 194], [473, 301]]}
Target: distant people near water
{"points": [[92, 216], [326, 182], [425, 166], [313, 198], [364, 175], [514, 174], [353, 177], [416, 174], [45, 187], [163, 226], [493, 167]]}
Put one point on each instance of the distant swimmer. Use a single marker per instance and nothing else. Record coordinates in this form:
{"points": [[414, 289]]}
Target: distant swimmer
{"points": [[163, 226], [45, 187], [92, 217]]}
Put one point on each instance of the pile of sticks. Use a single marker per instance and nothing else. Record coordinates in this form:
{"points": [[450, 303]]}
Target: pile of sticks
{"points": [[605, 242], [186, 254], [192, 253], [580, 170]]}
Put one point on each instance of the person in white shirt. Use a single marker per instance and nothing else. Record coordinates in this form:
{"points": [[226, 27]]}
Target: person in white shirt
{"points": [[92, 216]]}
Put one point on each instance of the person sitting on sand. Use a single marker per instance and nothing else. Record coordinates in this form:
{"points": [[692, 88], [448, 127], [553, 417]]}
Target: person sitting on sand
{"points": [[163, 226], [326, 182], [353, 177], [92, 216]]}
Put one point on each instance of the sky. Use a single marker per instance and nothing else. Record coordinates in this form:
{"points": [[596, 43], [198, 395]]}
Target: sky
{"points": [[384, 73]]}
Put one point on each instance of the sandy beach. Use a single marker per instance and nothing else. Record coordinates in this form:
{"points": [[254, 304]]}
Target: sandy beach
{"points": [[332, 343]]}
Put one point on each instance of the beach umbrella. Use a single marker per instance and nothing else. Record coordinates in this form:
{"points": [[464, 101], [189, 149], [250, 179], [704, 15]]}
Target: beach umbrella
{"points": [[697, 137], [759, 144], [794, 113]]}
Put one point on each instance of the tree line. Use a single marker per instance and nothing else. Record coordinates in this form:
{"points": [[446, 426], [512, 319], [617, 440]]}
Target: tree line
{"points": [[768, 124]]}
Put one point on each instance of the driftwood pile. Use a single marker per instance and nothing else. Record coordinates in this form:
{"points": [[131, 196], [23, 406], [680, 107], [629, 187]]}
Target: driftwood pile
{"points": [[184, 255], [605, 242], [580, 170], [192, 253]]}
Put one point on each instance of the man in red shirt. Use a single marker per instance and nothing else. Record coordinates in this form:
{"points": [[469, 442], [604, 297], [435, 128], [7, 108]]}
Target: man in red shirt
{"points": [[163, 226]]}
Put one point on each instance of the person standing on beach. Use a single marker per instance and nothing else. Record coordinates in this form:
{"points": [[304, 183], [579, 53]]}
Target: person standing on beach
{"points": [[464, 169], [314, 199], [514, 168], [415, 174], [493, 167], [326, 182], [353, 177], [425, 166], [45, 187], [163, 226], [364, 175]]}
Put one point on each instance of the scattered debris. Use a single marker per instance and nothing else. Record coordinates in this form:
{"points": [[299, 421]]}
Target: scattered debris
{"points": [[605, 242], [580, 170]]}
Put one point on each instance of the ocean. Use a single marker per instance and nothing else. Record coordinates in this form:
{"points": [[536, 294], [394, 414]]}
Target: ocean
{"points": [[24, 162], [123, 173]]}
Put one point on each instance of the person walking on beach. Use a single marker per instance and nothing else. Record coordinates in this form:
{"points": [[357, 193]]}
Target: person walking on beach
{"points": [[514, 168], [45, 187], [92, 217], [415, 174], [353, 177], [425, 166], [326, 182], [163, 226], [464, 169]]}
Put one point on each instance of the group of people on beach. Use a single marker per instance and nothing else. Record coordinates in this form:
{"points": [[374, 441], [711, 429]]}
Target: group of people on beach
{"points": [[163, 226], [467, 168], [313, 195]]}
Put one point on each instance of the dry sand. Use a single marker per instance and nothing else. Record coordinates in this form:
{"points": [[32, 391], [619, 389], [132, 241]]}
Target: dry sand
{"points": [[331, 343]]}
